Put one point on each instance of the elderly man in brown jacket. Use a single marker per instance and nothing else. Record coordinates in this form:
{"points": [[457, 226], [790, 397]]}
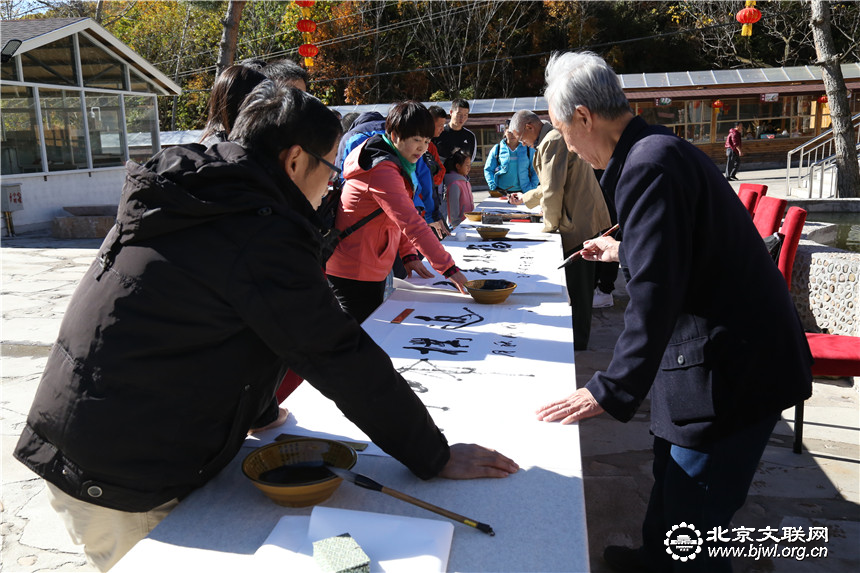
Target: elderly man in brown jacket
{"points": [[572, 205]]}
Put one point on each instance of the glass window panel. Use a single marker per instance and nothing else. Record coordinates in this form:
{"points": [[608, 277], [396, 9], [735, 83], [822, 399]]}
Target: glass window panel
{"points": [[726, 77], [702, 78], [751, 76], [801, 73], [106, 134], [632, 81], [656, 80], [141, 122], [679, 79], [52, 63], [98, 68], [9, 70], [775, 74], [138, 84], [20, 149], [63, 129]]}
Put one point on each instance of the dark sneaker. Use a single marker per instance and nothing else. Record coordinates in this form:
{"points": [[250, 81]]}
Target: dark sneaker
{"points": [[625, 559]]}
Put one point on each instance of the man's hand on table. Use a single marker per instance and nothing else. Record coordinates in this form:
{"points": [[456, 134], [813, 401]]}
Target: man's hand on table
{"points": [[470, 461], [578, 406], [603, 249], [515, 198]]}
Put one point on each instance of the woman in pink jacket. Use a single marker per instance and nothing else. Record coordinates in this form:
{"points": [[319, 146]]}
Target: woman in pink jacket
{"points": [[380, 174]]}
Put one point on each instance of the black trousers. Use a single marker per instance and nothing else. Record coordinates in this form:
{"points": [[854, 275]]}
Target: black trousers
{"points": [[580, 288], [733, 161], [358, 298], [605, 276]]}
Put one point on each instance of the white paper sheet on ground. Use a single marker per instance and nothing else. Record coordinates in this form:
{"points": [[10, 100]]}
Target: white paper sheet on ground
{"points": [[393, 543]]}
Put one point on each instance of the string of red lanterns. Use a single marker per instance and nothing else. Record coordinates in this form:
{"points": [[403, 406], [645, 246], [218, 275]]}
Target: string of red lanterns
{"points": [[748, 16], [307, 27]]}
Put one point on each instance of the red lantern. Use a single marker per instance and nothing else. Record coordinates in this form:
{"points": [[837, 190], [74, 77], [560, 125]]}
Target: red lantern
{"points": [[308, 50], [822, 99], [305, 3], [748, 16], [717, 104], [306, 26]]}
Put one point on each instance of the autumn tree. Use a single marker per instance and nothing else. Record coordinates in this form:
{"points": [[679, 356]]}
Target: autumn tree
{"points": [[227, 47], [848, 171]]}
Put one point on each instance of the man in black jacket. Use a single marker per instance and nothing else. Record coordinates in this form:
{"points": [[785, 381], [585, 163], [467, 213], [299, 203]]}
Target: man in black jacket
{"points": [[710, 331], [206, 290]]}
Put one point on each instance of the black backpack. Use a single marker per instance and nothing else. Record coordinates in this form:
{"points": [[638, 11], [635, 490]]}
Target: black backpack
{"points": [[327, 211]]}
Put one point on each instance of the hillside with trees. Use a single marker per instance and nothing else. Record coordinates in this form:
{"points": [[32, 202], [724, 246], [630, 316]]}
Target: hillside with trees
{"points": [[436, 50]]}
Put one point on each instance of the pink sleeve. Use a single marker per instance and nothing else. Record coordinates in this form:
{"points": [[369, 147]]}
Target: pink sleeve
{"points": [[389, 190]]}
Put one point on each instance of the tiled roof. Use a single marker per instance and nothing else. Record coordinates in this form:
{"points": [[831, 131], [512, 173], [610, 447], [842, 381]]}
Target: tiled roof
{"points": [[26, 29]]}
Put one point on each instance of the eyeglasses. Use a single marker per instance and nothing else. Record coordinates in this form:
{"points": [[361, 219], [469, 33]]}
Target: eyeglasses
{"points": [[335, 171]]}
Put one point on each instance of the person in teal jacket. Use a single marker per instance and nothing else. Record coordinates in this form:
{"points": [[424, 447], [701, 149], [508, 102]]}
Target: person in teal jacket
{"points": [[509, 166]]}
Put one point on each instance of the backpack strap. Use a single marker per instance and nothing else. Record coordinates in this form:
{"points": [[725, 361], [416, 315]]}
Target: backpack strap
{"points": [[358, 225]]}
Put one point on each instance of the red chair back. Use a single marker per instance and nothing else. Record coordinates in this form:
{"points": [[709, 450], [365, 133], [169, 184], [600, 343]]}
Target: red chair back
{"points": [[792, 228], [750, 194], [749, 199], [768, 214]]}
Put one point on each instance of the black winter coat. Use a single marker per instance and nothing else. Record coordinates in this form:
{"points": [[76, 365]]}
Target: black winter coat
{"points": [[207, 289], [710, 330]]}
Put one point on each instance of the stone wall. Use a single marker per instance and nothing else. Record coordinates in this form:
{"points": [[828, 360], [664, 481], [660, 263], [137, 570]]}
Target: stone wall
{"points": [[825, 286]]}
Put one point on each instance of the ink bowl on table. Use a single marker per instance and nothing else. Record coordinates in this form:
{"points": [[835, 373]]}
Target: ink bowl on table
{"points": [[490, 291], [293, 472], [490, 233], [474, 215]]}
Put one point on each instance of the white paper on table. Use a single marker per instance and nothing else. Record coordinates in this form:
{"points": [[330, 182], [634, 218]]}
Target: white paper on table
{"points": [[151, 555], [393, 543], [307, 409]]}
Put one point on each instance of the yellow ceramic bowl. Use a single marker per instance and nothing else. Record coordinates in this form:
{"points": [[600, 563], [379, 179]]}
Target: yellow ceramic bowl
{"points": [[473, 215], [492, 232], [490, 291], [302, 482]]}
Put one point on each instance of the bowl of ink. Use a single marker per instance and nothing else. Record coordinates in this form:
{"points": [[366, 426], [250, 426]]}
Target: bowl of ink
{"points": [[490, 291], [491, 233], [293, 472]]}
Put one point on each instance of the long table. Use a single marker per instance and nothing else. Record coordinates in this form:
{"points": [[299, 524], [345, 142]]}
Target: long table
{"points": [[482, 371]]}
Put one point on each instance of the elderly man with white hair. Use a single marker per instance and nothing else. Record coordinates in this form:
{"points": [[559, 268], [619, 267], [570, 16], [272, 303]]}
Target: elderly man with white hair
{"points": [[710, 329]]}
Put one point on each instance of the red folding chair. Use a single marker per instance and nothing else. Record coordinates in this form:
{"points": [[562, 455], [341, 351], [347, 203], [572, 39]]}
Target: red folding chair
{"points": [[791, 230], [835, 355], [768, 215], [750, 194]]}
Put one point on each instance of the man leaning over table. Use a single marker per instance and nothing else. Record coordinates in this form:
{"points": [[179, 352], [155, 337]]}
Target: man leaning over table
{"points": [[210, 285], [572, 204], [710, 329]]}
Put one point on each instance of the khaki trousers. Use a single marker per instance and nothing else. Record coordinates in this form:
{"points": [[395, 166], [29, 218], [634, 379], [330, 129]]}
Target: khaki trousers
{"points": [[106, 534]]}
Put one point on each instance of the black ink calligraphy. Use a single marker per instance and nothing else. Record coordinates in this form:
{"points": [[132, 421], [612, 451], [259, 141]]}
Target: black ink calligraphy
{"points": [[454, 322], [428, 345]]}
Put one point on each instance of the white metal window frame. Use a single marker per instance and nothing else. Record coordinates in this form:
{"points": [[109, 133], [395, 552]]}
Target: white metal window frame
{"points": [[84, 91]]}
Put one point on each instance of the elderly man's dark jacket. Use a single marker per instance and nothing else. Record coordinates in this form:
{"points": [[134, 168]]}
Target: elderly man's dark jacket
{"points": [[710, 328], [206, 290]]}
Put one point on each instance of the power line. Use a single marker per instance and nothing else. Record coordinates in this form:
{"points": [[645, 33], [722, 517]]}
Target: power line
{"points": [[354, 36], [478, 62]]}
